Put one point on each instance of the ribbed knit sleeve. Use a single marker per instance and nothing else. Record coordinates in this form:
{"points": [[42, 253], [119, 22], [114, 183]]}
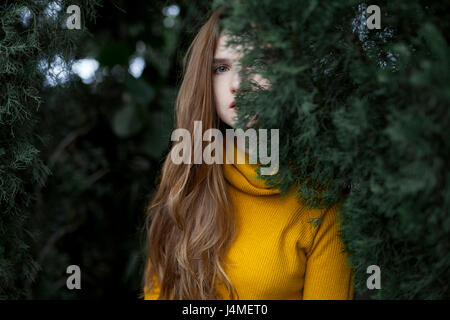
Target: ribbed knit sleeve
{"points": [[327, 276]]}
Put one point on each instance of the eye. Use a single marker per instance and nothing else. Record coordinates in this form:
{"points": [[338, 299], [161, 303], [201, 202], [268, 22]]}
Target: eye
{"points": [[221, 69]]}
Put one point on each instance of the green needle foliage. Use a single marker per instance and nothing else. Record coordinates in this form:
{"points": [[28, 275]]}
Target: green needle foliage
{"points": [[30, 37], [364, 119]]}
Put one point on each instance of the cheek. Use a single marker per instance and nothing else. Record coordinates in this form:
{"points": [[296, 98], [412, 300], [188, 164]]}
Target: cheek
{"points": [[219, 92], [216, 86], [217, 97]]}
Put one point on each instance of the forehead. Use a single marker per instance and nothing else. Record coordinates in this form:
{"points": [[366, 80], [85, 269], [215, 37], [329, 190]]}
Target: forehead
{"points": [[227, 52]]}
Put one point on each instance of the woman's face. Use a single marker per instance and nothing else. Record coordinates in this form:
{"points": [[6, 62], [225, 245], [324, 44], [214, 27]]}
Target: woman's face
{"points": [[226, 80]]}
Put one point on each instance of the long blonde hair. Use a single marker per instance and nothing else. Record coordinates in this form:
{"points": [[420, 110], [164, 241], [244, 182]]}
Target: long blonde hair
{"points": [[190, 222]]}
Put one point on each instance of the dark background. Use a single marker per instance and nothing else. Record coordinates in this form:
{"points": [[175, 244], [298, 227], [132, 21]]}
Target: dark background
{"points": [[104, 145]]}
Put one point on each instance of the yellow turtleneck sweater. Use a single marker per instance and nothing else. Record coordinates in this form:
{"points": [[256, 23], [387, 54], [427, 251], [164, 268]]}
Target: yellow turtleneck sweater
{"points": [[277, 254]]}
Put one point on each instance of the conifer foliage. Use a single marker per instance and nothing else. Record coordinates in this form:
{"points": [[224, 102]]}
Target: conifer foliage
{"points": [[32, 37], [364, 119]]}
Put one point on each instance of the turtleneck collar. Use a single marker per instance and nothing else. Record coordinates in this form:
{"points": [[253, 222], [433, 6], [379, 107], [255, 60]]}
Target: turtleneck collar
{"points": [[243, 176]]}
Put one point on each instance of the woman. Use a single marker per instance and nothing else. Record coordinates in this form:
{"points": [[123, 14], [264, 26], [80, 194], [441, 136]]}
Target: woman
{"points": [[216, 232]]}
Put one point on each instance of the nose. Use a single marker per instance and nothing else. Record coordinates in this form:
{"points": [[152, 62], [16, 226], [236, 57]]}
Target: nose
{"points": [[235, 82]]}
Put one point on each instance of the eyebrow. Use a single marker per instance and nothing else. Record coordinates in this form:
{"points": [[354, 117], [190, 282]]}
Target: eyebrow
{"points": [[221, 60]]}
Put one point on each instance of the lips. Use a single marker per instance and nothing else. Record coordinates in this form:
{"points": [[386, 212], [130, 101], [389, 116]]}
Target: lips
{"points": [[232, 105]]}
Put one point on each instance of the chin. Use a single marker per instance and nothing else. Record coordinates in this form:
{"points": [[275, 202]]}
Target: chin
{"points": [[230, 124]]}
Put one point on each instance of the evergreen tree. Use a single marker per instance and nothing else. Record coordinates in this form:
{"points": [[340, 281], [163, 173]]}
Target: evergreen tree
{"points": [[32, 37], [364, 119]]}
